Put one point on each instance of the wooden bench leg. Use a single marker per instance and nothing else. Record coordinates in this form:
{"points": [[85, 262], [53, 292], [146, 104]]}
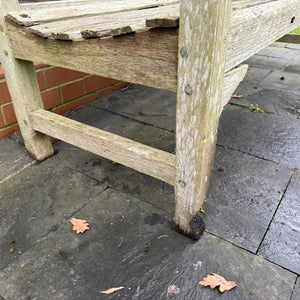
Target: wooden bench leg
{"points": [[24, 89], [203, 33]]}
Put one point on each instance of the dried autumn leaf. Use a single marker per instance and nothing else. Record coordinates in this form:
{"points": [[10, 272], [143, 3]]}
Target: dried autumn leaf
{"points": [[218, 280], [79, 225], [236, 96], [112, 290]]}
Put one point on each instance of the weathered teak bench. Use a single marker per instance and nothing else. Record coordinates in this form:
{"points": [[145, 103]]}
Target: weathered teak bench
{"points": [[198, 56]]}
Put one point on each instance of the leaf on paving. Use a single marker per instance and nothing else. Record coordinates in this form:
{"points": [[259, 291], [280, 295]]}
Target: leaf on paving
{"points": [[256, 109], [252, 292], [244, 255], [202, 210], [236, 96], [173, 289], [112, 290], [79, 225], [14, 241], [162, 236], [217, 280]]}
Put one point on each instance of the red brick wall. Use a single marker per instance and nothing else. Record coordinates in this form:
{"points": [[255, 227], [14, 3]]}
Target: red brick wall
{"points": [[61, 91]]}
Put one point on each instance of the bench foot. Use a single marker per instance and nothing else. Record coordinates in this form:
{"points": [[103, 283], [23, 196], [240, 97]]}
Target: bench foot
{"points": [[195, 229]]}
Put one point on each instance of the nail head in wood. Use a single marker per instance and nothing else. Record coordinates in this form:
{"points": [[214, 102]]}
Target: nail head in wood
{"points": [[184, 52], [188, 90]]}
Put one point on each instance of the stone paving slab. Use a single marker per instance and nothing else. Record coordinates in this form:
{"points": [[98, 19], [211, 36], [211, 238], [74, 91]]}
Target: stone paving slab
{"points": [[275, 57], [13, 158], [242, 200], [35, 201], [274, 81], [151, 257], [252, 273], [267, 62], [278, 102], [145, 104], [296, 292], [250, 83], [281, 244], [268, 136]]}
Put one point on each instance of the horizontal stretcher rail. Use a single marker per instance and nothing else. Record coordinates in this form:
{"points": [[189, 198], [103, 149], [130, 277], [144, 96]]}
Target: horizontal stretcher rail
{"points": [[145, 159]]}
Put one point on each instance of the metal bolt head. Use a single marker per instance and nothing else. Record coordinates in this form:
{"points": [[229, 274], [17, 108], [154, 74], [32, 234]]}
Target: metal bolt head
{"points": [[188, 90], [184, 52]]}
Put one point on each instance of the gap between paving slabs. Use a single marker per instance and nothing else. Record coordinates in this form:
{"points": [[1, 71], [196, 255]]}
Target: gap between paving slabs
{"points": [[281, 243]]}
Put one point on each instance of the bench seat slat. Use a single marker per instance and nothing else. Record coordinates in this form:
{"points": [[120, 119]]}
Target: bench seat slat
{"points": [[104, 25], [250, 18], [39, 14], [155, 52]]}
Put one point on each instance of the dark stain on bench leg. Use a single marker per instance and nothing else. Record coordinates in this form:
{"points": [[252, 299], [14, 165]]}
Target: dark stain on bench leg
{"points": [[197, 227]]}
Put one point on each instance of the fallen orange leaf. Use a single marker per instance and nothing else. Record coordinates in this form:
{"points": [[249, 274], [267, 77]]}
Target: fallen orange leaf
{"points": [[215, 280], [252, 292], [109, 291], [236, 96], [79, 225]]}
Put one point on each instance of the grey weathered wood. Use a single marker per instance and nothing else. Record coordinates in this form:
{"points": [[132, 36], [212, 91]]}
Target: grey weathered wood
{"points": [[70, 28], [262, 20], [256, 25], [48, 12], [204, 27], [24, 90], [145, 159], [153, 53], [172, 21], [290, 38], [146, 58]]}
